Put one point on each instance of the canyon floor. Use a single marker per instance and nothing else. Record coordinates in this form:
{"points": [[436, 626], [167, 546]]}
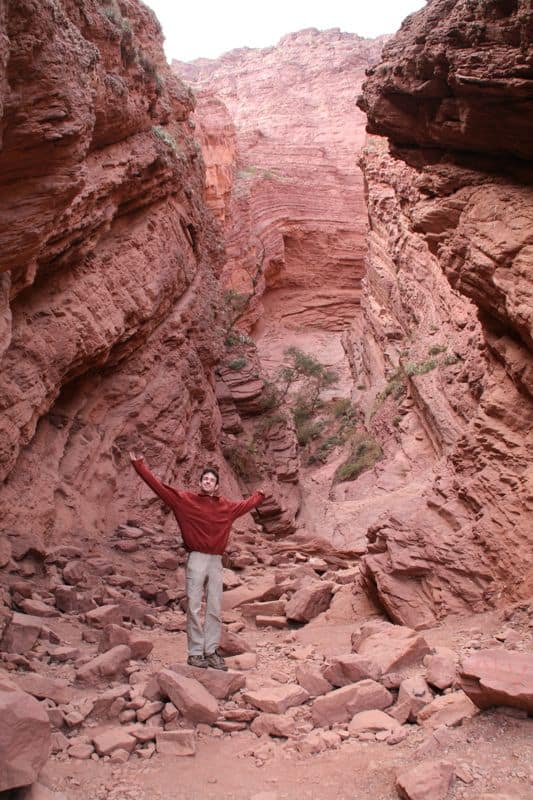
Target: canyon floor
{"points": [[490, 752]]}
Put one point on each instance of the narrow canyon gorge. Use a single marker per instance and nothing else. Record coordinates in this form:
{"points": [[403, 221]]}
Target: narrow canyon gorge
{"points": [[308, 266]]}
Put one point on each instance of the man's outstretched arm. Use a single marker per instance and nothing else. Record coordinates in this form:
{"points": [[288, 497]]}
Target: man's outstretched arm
{"points": [[239, 509], [167, 495]]}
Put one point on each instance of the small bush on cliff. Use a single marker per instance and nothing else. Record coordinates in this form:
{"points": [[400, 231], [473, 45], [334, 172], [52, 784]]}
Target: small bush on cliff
{"points": [[237, 363], [365, 452], [435, 349], [235, 304], [165, 137]]}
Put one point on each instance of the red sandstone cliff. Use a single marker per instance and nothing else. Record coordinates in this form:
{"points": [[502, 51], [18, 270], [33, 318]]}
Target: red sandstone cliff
{"points": [[294, 220], [109, 324], [447, 329]]}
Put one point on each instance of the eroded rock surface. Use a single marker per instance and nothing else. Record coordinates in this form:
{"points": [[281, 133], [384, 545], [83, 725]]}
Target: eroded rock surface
{"points": [[446, 337]]}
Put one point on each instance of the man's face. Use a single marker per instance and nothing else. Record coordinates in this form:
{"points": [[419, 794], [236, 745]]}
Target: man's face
{"points": [[208, 482]]}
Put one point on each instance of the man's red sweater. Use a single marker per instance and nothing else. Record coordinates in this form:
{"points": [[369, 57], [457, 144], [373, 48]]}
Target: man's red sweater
{"points": [[205, 521]]}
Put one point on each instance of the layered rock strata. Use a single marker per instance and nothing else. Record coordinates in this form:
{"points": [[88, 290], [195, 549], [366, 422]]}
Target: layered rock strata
{"points": [[447, 328], [294, 220], [108, 255]]}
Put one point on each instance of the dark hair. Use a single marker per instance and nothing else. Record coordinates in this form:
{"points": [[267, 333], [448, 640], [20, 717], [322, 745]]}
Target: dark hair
{"points": [[211, 470]]}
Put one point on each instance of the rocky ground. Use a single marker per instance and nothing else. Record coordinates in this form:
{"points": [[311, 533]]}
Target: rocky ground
{"points": [[324, 698]]}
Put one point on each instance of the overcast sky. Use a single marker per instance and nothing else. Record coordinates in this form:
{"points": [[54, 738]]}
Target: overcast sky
{"points": [[209, 28]]}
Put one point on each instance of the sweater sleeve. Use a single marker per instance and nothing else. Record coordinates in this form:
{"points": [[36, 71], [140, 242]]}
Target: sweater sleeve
{"points": [[167, 495], [239, 509]]}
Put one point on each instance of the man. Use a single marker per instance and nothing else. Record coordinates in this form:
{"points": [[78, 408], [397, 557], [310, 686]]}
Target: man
{"points": [[205, 521]]}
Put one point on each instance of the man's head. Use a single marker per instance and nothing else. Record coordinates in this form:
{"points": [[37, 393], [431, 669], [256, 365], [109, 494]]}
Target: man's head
{"points": [[209, 480]]}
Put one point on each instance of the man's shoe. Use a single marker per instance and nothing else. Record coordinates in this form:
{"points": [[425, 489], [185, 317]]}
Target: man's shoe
{"points": [[197, 661], [215, 661]]}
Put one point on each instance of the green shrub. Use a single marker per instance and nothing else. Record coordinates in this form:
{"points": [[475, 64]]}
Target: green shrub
{"points": [[365, 452], [436, 349], [307, 430], [237, 363], [343, 408], [451, 359], [420, 369], [323, 451], [165, 137]]}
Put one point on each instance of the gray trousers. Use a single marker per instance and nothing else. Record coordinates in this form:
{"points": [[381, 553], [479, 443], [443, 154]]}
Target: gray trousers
{"points": [[203, 575]]}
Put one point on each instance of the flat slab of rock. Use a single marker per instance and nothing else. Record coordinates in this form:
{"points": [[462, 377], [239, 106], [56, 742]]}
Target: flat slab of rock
{"points": [[265, 589], [106, 665], [114, 739], [276, 699], [25, 737], [498, 677], [38, 609], [373, 722], [189, 696], [345, 669], [56, 689], [104, 615], [309, 601], [441, 668], [274, 608], [273, 725], [342, 704], [430, 780], [448, 709], [244, 661], [218, 683], [391, 647], [21, 633], [313, 681], [176, 743]]}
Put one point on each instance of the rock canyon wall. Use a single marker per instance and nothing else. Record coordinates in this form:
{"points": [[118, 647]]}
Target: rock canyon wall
{"points": [[447, 331], [283, 171], [109, 259]]}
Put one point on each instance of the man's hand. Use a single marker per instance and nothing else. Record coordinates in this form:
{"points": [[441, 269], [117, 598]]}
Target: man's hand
{"points": [[134, 457]]}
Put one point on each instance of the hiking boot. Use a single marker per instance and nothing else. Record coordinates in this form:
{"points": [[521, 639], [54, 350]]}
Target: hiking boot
{"points": [[197, 661], [215, 661]]}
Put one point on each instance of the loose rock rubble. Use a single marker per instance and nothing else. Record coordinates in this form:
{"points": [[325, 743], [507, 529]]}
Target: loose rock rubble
{"points": [[96, 696]]}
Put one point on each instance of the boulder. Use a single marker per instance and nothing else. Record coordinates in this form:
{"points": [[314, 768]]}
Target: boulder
{"points": [[25, 737], [114, 739], [341, 704], [104, 615], [176, 743], [217, 682], [193, 701], [231, 644], [441, 668], [43, 688], [498, 677], [374, 721], [309, 601], [273, 725], [37, 608], [345, 669], [311, 678], [21, 633], [414, 694], [448, 709], [430, 780], [391, 647], [113, 635], [264, 589], [276, 699], [106, 665]]}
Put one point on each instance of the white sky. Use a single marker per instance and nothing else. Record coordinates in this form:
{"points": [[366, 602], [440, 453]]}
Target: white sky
{"points": [[209, 28]]}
